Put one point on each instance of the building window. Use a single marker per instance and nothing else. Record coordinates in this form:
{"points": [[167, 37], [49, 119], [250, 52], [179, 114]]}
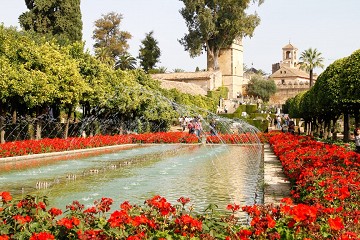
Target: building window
{"points": [[288, 55], [282, 81], [280, 72], [284, 71]]}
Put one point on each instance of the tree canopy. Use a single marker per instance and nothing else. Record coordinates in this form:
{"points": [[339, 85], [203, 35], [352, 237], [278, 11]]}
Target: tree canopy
{"points": [[262, 88], [311, 59], [39, 77], [335, 93], [149, 53], [215, 24], [59, 18], [110, 41]]}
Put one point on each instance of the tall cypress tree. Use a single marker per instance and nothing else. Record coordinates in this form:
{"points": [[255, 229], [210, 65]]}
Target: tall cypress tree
{"points": [[149, 53], [60, 18]]}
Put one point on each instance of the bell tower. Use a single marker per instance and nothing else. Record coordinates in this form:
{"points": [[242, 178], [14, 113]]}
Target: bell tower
{"points": [[289, 56]]}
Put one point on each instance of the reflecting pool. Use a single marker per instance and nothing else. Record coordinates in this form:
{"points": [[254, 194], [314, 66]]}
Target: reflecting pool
{"points": [[207, 174]]}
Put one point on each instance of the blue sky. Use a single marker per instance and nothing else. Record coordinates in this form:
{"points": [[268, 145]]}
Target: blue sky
{"points": [[330, 26]]}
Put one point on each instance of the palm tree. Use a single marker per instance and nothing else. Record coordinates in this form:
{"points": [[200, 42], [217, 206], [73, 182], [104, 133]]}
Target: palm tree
{"points": [[126, 62], [311, 59], [104, 55]]}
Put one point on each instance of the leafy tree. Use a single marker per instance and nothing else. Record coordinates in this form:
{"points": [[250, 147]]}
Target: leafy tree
{"points": [[262, 88], [311, 59], [60, 18], [350, 90], [327, 95], [103, 54], [126, 62], [215, 24], [178, 70], [149, 53], [109, 38]]}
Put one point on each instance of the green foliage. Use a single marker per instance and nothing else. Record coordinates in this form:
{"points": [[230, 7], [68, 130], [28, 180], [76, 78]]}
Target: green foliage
{"points": [[59, 18], [262, 88], [251, 108], [37, 75], [240, 109], [213, 25], [126, 62], [110, 41], [221, 92], [149, 53], [350, 82], [311, 59], [335, 92]]}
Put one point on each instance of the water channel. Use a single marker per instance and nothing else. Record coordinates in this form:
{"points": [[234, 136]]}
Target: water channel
{"points": [[207, 174]]}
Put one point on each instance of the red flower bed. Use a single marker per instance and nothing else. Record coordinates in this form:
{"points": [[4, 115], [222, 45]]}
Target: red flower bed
{"points": [[19, 148], [325, 204], [326, 180]]}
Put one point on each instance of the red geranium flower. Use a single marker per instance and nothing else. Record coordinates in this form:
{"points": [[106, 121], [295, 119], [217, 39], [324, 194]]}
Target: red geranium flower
{"points": [[42, 236], [336, 223], [55, 212], [6, 197], [4, 237]]}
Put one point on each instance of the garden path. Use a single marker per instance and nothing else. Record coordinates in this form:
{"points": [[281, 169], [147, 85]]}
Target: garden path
{"points": [[276, 185]]}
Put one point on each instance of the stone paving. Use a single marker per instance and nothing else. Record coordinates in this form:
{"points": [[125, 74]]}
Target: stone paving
{"points": [[276, 185]]}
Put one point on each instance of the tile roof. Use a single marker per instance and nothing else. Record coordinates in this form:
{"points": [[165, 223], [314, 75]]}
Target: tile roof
{"points": [[289, 46], [286, 72]]}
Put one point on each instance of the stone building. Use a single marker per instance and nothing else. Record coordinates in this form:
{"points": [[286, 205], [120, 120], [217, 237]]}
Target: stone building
{"points": [[229, 74], [288, 77], [204, 81]]}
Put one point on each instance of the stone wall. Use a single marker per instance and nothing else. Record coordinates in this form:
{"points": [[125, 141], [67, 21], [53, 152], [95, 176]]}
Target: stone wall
{"points": [[285, 92]]}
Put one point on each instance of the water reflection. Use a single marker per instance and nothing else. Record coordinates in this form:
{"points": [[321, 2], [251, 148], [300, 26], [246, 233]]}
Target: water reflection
{"points": [[218, 174]]}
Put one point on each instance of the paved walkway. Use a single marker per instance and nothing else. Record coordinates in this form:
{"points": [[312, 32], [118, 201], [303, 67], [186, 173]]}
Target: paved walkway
{"points": [[276, 185]]}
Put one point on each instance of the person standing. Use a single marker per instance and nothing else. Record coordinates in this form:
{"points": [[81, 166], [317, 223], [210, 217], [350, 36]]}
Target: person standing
{"points": [[278, 120], [191, 126], [198, 127], [357, 139], [183, 123], [213, 128]]}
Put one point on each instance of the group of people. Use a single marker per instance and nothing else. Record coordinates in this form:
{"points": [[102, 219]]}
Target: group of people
{"points": [[194, 125], [284, 123]]}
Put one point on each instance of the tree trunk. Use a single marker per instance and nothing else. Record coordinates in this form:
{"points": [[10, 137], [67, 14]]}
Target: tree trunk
{"points": [[14, 117], [326, 128], [357, 118], [2, 124], [320, 128], [346, 127], [38, 124], [38, 129], [334, 130], [66, 132], [213, 59], [311, 78]]}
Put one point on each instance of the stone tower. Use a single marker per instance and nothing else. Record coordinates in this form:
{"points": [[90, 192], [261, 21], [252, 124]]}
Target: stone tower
{"points": [[231, 67], [289, 56]]}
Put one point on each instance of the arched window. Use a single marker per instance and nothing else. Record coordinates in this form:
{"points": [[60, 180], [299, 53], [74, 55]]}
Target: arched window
{"points": [[288, 55]]}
